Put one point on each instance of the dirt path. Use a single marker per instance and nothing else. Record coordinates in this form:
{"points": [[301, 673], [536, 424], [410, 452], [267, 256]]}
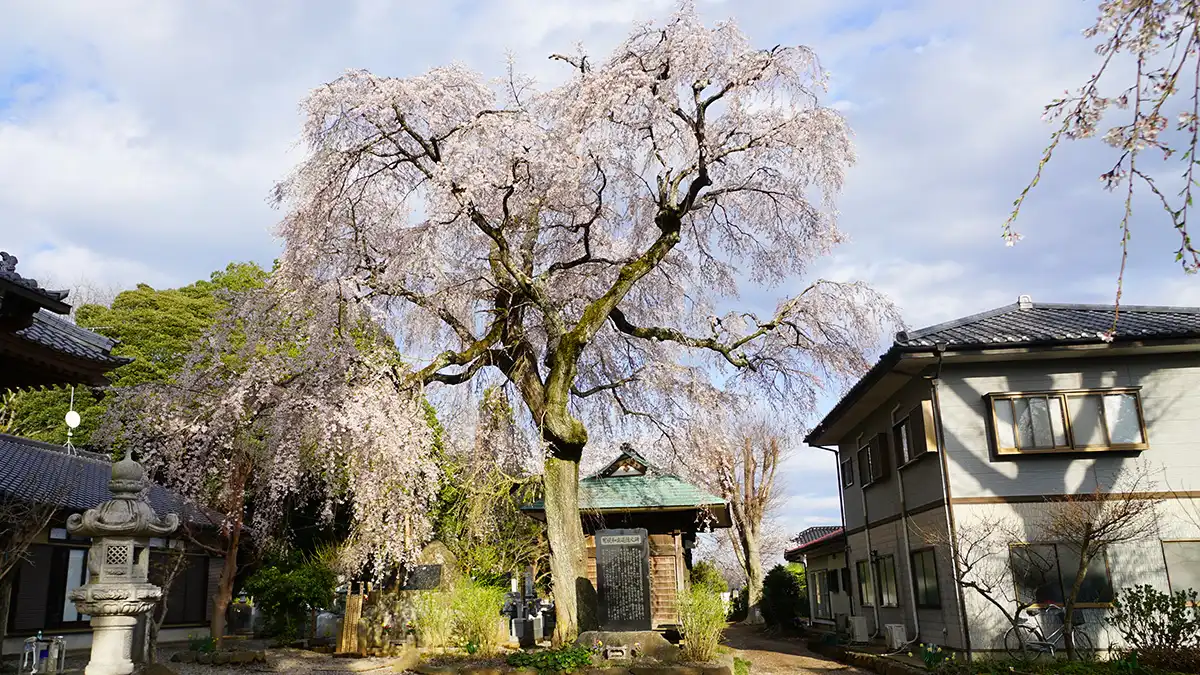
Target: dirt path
{"points": [[776, 656]]}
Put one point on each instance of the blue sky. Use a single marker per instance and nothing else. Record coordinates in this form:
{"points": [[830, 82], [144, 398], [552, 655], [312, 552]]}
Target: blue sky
{"points": [[139, 139]]}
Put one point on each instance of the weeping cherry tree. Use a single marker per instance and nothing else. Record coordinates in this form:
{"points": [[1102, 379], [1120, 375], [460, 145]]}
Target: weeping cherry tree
{"points": [[584, 243]]}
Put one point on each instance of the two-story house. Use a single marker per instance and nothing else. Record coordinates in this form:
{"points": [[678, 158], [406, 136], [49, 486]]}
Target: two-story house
{"points": [[977, 429]]}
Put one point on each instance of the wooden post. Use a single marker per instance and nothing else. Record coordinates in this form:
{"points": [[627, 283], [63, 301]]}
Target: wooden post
{"points": [[348, 640]]}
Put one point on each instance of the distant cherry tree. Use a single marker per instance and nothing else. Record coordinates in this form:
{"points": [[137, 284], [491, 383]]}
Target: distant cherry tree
{"points": [[270, 409], [585, 242], [1157, 107]]}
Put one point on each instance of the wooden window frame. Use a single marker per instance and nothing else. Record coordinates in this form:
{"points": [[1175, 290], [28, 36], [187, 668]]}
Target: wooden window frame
{"points": [[912, 556], [865, 584], [1061, 581], [1062, 395]]}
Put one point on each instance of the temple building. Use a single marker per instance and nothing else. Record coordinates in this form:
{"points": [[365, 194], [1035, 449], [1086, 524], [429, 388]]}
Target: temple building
{"points": [[630, 493]]}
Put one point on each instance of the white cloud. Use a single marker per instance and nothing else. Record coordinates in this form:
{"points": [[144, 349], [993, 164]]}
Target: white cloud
{"points": [[146, 147]]}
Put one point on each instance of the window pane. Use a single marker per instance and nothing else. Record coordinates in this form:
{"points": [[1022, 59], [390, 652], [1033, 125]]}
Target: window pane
{"points": [[1035, 573], [1096, 586], [1004, 423], [866, 591], [887, 581], [848, 472], [1183, 564], [1057, 423], [864, 466], [925, 578], [1025, 438], [1085, 420], [1043, 435], [1120, 411], [76, 577], [900, 442]]}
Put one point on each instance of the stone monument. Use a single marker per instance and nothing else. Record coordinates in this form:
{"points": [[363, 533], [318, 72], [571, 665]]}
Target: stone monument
{"points": [[118, 590], [623, 579]]}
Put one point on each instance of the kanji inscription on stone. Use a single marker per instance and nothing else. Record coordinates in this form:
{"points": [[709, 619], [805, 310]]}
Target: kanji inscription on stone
{"points": [[623, 579]]}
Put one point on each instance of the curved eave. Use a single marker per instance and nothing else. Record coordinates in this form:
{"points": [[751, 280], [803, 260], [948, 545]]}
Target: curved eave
{"points": [[720, 511]]}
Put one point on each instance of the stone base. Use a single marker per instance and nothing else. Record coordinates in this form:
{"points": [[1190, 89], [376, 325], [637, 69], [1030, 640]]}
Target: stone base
{"points": [[652, 644]]}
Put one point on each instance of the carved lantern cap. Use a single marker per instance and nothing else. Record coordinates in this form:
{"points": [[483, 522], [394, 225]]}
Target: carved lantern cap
{"points": [[126, 514]]}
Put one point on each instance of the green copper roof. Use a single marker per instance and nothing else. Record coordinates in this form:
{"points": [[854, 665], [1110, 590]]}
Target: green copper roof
{"points": [[645, 490]]}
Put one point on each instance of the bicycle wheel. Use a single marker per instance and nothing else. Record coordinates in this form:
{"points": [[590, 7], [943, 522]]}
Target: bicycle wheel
{"points": [[1016, 643], [1084, 651]]}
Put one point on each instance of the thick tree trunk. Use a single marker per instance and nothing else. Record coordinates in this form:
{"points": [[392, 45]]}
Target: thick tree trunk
{"points": [[574, 595], [1069, 609], [752, 557], [225, 587]]}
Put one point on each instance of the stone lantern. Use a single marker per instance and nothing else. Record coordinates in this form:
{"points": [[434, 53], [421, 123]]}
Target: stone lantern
{"points": [[118, 588]]}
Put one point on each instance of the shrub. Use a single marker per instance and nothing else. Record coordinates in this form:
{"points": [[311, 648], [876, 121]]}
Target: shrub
{"points": [[287, 589], [434, 622], [203, 644], [740, 666], [477, 614], [706, 574], [701, 621], [563, 659], [1163, 630], [783, 596]]}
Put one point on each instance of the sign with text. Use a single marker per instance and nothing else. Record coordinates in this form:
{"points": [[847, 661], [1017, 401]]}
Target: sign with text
{"points": [[623, 579]]}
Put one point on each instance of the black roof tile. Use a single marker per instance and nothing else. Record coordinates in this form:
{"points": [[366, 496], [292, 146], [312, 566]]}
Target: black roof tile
{"points": [[76, 481], [1025, 322], [44, 297], [63, 336]]}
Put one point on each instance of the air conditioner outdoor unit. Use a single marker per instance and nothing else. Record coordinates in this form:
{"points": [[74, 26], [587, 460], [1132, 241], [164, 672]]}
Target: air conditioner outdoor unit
{"points": [[858, 629], [895, 634], [841, 622]]}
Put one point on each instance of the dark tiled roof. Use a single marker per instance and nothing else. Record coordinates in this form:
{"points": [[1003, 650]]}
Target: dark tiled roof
{"points": [[45, 473], [46, 297], [63, 336], [1029, 323], [812, 537], [815, 533]]}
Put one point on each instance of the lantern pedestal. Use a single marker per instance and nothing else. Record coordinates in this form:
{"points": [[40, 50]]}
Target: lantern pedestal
{"points": [[114, 609]]}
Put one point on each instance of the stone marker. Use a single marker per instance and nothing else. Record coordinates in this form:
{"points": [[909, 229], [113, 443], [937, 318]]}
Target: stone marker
{"points": [[623, 579]]}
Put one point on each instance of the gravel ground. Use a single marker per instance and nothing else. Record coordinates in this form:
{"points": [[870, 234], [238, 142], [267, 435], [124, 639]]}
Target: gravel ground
{"points": [[776, 656]]}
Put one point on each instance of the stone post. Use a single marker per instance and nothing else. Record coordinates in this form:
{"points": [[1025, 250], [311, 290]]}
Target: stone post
{"points": [[118, 588]]}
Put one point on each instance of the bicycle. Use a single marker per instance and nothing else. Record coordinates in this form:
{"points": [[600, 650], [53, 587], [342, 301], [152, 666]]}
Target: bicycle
{"points": [[1027, 642]]}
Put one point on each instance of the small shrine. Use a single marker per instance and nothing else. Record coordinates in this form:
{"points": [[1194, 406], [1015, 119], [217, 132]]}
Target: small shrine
{"points": [[118, 589], [641, 524]]}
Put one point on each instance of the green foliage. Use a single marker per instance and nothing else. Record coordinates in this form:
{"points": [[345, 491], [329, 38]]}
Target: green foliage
{"points": [[561, 660], [288, 589], [706, 575], [701, 623], [478, 514], [477, 614], [156, 328], [933, 656], [1161, 629], [434, 618], [205, 644], [784, 598], [741, 666]]}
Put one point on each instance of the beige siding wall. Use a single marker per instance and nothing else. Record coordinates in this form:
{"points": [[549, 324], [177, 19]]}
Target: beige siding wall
{"points": [[1170, 392]]}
